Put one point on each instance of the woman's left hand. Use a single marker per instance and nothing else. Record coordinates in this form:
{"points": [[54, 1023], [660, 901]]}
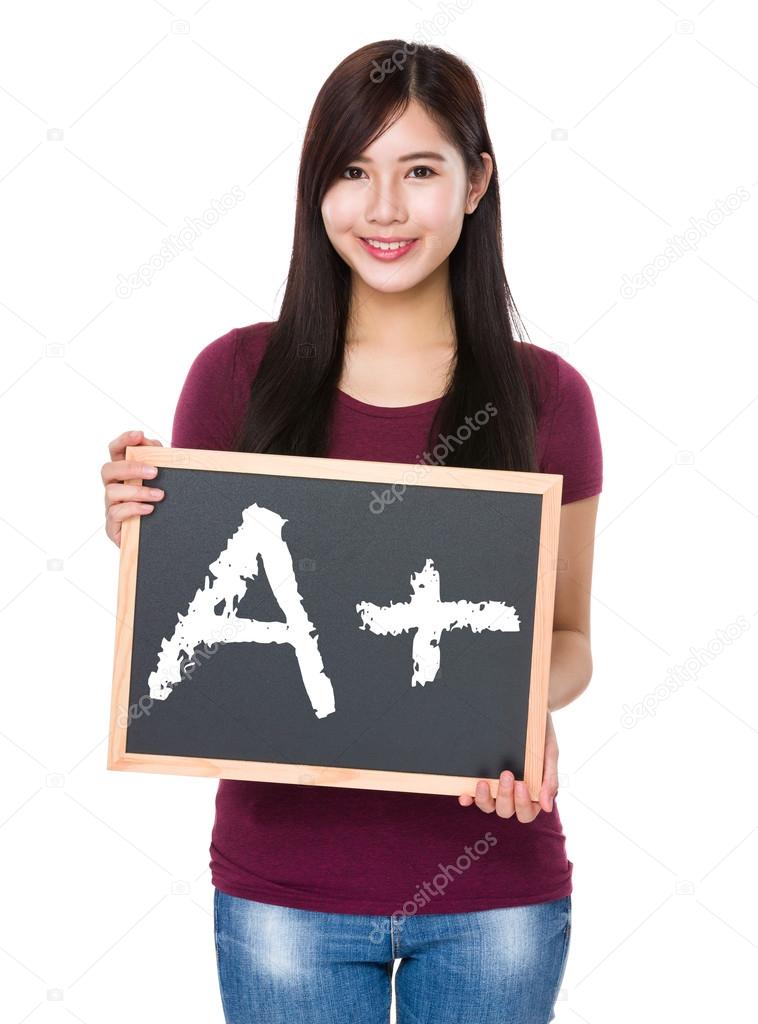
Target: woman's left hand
{"points": [[512, 796]]}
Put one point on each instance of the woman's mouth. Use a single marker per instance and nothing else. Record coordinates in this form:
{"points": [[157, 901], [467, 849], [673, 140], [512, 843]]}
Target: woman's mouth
{"points": [[383, 249]]}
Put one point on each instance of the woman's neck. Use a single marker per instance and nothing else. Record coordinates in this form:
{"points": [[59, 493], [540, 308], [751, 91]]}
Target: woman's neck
{"points": [[400, 347], [409, 322]]}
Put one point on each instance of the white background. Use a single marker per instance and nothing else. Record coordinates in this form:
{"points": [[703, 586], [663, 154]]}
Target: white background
{"points": [[616, 127]]}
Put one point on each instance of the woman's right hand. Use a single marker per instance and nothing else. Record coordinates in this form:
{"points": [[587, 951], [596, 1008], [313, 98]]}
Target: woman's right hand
{"points": [[121, 499]]}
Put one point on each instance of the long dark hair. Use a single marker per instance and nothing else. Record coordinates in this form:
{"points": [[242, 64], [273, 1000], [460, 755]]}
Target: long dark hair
{"points": [[293, 392]]}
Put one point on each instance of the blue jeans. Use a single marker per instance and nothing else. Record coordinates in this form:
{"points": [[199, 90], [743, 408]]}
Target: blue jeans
{"points": [[280, 965]]}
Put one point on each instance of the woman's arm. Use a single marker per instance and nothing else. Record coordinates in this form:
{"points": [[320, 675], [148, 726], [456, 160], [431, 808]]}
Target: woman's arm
{"points": [[571, 658]]}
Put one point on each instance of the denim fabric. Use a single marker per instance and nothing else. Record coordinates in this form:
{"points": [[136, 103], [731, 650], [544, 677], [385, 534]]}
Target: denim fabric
{"points": [[281, 965]]}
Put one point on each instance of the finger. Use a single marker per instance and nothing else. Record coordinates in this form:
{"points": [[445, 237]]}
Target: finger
{"points": [[546, 797], [124, 509], [484, 800], [549, 786], [125, 469], [548, 790], [504, 802], [526, 810], [117, 446], [550, 768], [130, 492], [118, 513], [465, 800]]}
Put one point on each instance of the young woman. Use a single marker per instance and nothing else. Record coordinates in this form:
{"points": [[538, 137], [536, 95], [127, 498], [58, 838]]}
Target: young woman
{"points": [[397, 323]]}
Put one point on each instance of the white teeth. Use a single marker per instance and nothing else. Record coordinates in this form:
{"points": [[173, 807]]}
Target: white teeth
{"points": [[387, 245]]}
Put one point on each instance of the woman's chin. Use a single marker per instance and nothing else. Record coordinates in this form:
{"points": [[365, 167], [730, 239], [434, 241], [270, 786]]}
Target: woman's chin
{"points": [[389, 283]]}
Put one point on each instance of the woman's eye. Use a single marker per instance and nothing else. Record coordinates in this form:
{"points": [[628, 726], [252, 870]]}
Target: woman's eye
{"points": [[422, 167]]}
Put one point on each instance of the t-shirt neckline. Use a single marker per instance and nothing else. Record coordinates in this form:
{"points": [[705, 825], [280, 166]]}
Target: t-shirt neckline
{"points": [[386, 410]]}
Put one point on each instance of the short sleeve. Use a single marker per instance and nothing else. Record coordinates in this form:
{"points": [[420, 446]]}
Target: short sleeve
{"points": [[205, 412], [573, 447]]}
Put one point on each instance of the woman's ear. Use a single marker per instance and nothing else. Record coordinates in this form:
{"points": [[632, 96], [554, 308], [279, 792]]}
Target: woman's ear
{"points": [[478, 183]]}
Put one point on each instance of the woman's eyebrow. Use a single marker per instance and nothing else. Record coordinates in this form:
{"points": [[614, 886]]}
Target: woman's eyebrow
{"points": [[402, 159]]}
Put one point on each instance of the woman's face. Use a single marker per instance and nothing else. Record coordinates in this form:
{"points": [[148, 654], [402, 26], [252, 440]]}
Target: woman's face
{"points": [[411, 186]]}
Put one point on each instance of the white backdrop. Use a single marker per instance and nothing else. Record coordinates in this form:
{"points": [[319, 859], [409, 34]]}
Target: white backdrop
{"points": [[626, 143]]}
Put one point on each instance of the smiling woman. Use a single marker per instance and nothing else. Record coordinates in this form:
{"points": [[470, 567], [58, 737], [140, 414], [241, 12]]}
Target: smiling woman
{"points": [[409, 157], [397, 327]]}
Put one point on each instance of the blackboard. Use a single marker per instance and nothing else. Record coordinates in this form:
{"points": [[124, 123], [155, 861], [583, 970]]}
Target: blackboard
{"points": [[335, 622]]}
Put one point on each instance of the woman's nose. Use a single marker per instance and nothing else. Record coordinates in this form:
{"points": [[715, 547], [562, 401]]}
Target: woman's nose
{"points": [[384, 204]]}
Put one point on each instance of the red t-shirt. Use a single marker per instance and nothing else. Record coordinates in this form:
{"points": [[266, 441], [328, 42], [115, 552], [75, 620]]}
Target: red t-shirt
{"points": [[361, 851]]}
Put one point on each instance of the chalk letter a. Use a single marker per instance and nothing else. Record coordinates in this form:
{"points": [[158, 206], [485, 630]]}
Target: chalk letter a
{"points": [[259, 534]]}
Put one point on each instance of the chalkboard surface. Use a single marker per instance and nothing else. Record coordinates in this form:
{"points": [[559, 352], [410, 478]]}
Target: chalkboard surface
{"points": [[392, 695]]}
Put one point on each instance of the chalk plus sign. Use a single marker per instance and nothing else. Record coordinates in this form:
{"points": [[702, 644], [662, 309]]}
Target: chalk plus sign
{"points": [[430, 617]]}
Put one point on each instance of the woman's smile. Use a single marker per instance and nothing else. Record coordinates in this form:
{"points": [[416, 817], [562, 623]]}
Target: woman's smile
{"points": [[388, 249]]}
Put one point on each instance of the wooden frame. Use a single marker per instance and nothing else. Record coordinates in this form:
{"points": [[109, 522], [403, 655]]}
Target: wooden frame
{"points": [[547, 485]]}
